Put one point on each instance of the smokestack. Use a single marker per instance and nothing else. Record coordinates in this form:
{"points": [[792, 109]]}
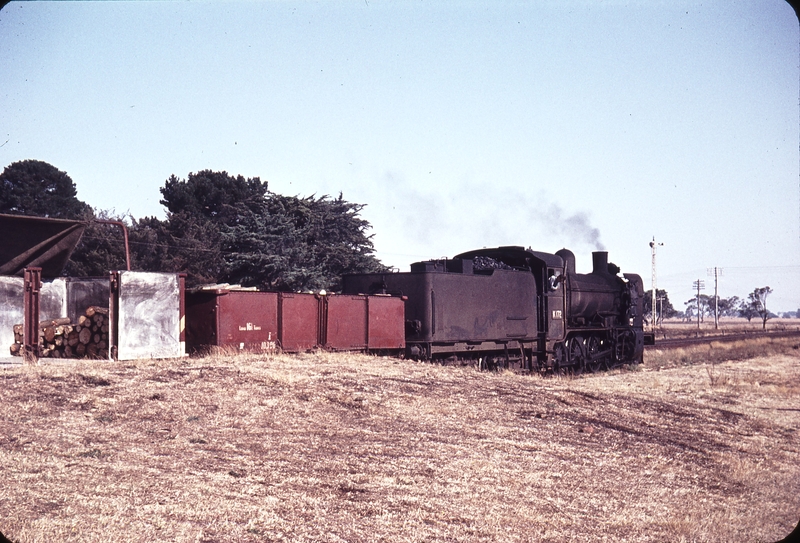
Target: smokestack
{"points": [[600, 262]]}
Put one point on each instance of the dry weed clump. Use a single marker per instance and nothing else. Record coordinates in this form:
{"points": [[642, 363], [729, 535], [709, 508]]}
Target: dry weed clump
{"points": [[343, 447]]}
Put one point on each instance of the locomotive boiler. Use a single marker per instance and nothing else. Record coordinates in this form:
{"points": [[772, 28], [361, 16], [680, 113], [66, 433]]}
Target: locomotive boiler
{"points": [[516, 308]]}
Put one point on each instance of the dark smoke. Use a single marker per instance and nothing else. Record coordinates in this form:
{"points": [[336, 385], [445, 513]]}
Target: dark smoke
{"points": [[474, 215], [575, 227]]}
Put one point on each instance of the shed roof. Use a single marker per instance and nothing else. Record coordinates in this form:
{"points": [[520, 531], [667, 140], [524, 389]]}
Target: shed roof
{"points": [[37, 242]]}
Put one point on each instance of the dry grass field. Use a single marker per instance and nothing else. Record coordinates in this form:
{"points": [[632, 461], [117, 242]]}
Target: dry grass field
{"points": [[697, 445], [676, 328]]}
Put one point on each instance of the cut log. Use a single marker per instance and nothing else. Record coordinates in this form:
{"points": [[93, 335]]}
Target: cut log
{"points": [[54, 322], [61, 338], [93, 310]]}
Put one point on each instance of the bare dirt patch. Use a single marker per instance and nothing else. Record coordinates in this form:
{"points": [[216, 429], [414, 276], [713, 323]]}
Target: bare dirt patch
{"points": [[324, 447]]}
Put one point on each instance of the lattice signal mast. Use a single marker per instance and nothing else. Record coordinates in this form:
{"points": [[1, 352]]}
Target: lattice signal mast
{"points": [[653, 246]]}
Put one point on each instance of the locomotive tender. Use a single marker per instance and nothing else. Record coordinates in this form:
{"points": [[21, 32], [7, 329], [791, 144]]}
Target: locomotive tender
{"points": [[517, 308]]}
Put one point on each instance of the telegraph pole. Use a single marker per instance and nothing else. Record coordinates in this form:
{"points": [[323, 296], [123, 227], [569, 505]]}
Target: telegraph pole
{"points": [[653, 246], [699, 285], [716, 272]]}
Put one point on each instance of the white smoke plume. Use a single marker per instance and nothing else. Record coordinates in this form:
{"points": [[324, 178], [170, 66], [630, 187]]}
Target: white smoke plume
{"points": [[414, 223]]}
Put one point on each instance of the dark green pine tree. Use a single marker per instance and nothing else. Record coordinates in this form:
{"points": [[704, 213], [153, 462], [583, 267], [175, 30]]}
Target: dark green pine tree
{"points": [[33, 187], [231, 229], [299, 244], [198, 209]]}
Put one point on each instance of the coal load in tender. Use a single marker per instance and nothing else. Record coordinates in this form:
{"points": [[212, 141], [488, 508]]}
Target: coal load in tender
{"points": [[61, 338]]}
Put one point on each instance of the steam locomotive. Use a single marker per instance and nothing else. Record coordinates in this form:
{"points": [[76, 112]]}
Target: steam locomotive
{"points": [[511, 307]]}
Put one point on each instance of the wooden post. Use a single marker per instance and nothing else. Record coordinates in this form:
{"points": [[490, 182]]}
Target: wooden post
{"points": [[32, 278]]}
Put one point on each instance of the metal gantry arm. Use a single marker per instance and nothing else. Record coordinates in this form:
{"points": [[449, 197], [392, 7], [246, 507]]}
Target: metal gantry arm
{"points": [[124, 235]]}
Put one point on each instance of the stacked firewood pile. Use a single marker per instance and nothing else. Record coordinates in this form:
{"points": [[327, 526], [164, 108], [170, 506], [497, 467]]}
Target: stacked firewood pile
{"points": [[61, 338]]}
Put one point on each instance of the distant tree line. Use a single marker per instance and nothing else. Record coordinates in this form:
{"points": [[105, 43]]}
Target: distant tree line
{"points": [[754, 306], [218, 229]]}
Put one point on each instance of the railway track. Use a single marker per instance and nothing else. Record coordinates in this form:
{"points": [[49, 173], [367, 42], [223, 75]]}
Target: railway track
{"points": [[674, 343]]}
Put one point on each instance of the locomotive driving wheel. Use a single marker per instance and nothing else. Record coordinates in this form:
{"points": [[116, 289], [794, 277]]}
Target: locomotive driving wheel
{"points": [[594, 362], [576, 354]]}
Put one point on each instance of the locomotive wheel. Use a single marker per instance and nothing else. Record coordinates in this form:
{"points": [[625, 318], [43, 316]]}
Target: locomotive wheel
{"points": [[592, 348], [576, 354]]}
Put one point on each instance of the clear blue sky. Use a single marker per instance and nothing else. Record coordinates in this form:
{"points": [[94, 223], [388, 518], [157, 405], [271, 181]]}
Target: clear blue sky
{"points": [[460, 124]]}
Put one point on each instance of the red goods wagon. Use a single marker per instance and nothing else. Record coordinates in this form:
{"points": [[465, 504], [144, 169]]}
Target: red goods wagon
{"points": [[386, 324], [345, 323], [293, 322], [364, 323], [299, 322], [241, 319]]}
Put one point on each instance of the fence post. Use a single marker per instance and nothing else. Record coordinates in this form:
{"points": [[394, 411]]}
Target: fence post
{"points": [[32, 278]]}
